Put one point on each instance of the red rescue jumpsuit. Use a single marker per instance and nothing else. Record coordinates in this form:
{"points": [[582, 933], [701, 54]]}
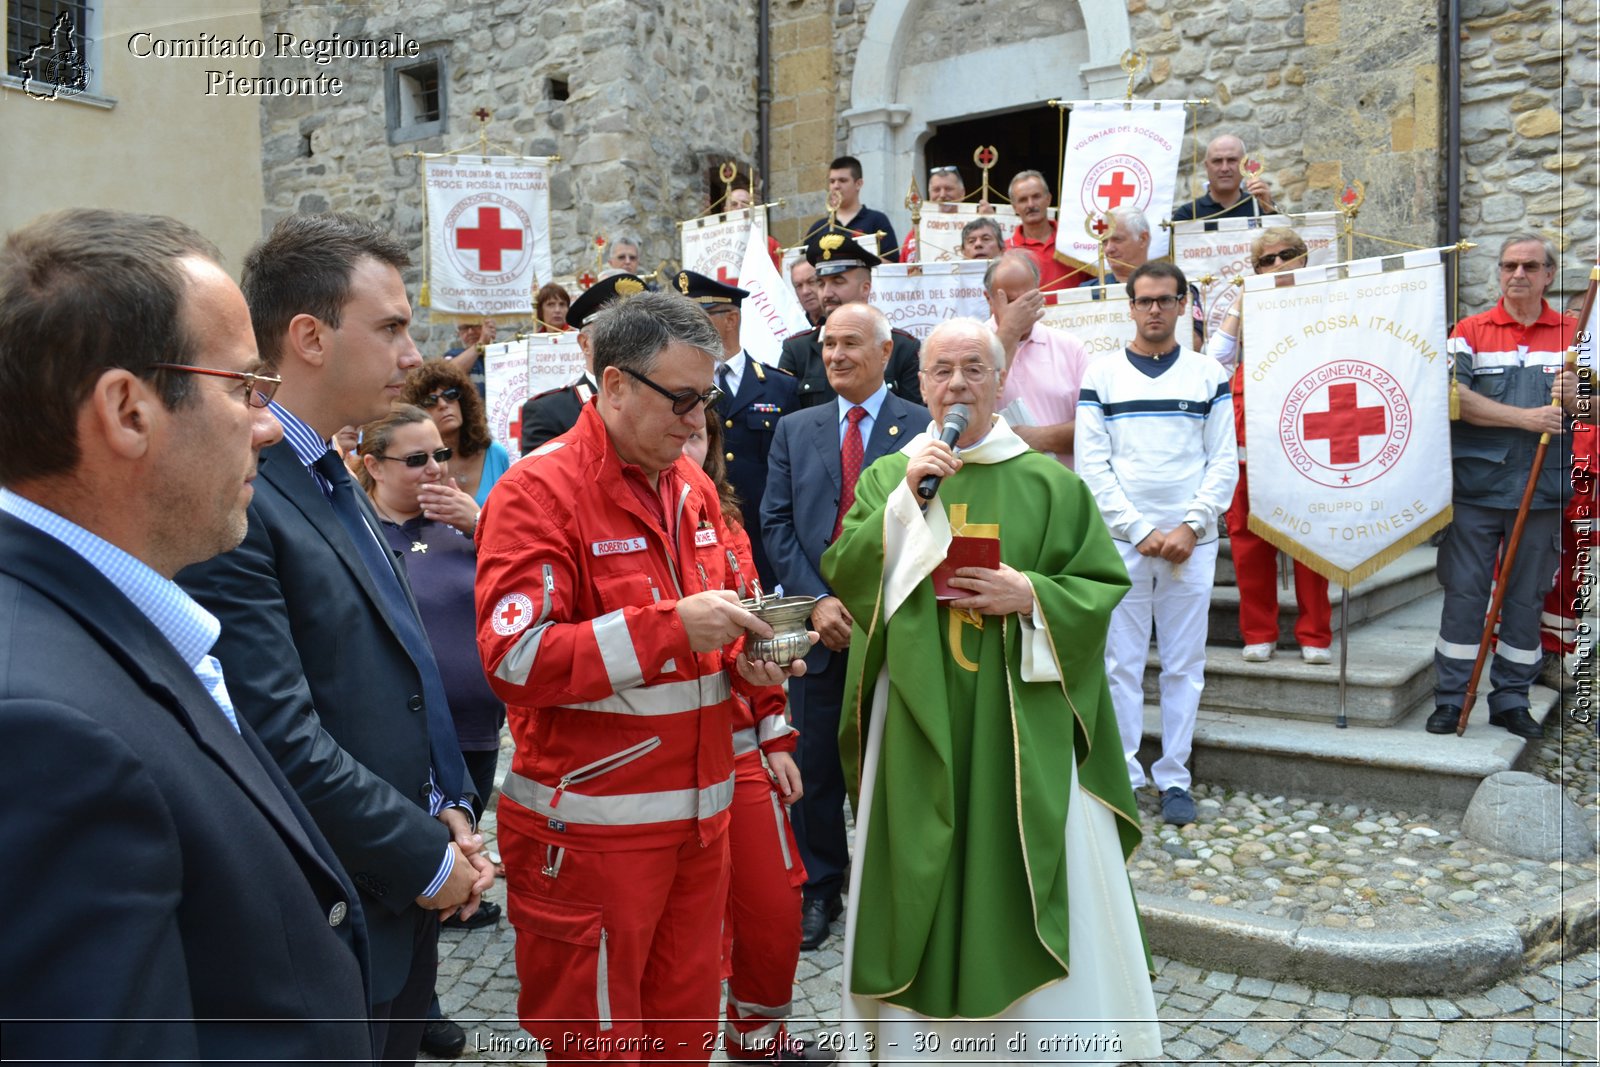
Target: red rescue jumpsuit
{"points": [[616, 811]]}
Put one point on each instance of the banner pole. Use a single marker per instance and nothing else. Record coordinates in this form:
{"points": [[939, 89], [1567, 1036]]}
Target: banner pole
{"points": [[1344, 653]]}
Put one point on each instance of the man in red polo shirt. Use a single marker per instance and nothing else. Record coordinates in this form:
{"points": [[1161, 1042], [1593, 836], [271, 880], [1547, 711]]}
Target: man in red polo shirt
{"points": [[1030, 198]]}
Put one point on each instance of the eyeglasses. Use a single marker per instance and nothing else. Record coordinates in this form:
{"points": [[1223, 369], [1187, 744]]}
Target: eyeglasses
{"points": [[972, 372], [1272, 259], [1165, 303], [943, 170], [684, 400], [260, 387], [1533, 267], [432, 399], [420, 459]]}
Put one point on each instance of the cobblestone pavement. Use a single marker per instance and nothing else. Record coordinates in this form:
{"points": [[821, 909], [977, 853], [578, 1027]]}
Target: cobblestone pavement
{"points": [[1547, 1015]]}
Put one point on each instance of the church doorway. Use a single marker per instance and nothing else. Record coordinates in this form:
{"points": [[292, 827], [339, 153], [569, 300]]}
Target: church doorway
{"points": [[1025, 139]]}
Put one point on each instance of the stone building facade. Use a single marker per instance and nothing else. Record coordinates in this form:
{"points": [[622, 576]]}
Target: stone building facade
{"points": [[1322, 91]]}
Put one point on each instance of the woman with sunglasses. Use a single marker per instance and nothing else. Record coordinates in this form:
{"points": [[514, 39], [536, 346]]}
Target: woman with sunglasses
{"points": [[1255, 561], [444, 392]]}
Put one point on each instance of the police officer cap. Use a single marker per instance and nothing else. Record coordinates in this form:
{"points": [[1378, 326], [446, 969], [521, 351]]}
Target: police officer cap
{"points": [[836, 251], [601, 293], [707, 292]]}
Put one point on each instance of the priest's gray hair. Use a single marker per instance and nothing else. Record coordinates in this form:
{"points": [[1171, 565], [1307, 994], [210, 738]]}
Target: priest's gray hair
{"points": [[965, 334]]}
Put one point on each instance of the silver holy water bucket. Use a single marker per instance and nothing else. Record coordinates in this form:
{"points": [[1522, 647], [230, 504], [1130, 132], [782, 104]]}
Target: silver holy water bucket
{"points": [[787, 616]]}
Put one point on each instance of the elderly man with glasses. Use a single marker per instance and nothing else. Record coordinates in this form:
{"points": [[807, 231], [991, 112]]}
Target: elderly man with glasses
{"points": [[607, 624], [1508, 367], [981, 736]]}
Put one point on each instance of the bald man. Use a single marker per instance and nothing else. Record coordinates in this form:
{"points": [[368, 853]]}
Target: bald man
{"points": [[1229, 193]]}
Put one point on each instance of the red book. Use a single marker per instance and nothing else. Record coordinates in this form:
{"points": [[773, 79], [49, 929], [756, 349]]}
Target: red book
{"points": [[964, 552]]}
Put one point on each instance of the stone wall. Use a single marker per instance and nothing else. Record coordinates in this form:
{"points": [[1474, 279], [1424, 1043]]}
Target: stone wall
{"points": [[804, 111], [656, 99], [1529, 124]]}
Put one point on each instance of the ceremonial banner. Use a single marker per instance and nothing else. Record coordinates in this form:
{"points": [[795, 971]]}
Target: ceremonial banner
{"points": [[1347, 411], [505, 387], [488, 234], [1119, 154], [1102, 325], [714, 246], [1213, 253], [772, 311], [917, 297], [939, 231]]}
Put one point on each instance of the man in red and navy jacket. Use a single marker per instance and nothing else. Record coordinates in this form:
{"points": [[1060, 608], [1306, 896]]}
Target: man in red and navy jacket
{"points": [[607, 623]]}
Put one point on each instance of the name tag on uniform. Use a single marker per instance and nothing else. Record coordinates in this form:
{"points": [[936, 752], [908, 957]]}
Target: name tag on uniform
{"points": [[705, 537], [619, 547]]}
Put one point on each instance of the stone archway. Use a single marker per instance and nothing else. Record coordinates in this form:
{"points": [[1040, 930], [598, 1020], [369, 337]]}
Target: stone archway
{"points": [[893, 105]]}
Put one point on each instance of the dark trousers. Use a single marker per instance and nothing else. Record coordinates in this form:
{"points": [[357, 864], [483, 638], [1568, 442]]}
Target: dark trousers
{"points": [[818, 819], [397, 1025], [480, 768], [1468, 559]]}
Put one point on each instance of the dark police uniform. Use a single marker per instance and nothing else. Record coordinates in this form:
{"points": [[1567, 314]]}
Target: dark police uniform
{"points": [[834, 252]]}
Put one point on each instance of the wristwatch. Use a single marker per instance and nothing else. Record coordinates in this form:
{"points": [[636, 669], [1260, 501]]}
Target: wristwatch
{"points": [[1197, 526]]}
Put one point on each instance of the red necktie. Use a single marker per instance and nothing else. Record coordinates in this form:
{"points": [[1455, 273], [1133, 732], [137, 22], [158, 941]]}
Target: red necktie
{"points": [[850, 464]]}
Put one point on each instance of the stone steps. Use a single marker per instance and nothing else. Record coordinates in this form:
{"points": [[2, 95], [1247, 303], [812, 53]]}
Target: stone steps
{"points": [[1389, 673], [1401, 582]]}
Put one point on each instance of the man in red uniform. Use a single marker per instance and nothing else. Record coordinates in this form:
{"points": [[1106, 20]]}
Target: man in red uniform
{"points": [[1030, 198], [606, 624]]}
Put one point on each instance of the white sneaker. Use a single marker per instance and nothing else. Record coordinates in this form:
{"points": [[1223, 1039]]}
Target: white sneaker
{"points": [[1316, 655], [1258, 653]]}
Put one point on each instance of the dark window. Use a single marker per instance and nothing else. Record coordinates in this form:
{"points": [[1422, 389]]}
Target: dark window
{"points": [[559, 89], [416, 92], [59, 58]]}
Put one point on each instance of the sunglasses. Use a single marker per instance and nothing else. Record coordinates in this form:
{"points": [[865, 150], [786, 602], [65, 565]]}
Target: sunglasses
{"points": [[432, 399], [943, 170], [259, 387], [420, 459], [683, 401], [1272, 259]]}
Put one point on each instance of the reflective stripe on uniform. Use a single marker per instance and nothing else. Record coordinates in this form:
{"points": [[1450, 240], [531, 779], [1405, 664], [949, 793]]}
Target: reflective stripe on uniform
{"points": [[627, 809], [1526, 656], [663, 698], [616, 650], [744, 741], [746, 1007], [1455, 651], [773, 727], [518, 663]]}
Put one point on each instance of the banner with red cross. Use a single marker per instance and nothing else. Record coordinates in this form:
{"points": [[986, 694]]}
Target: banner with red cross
{"points": [[1119, 154], [515, 371], [714, 245], [1346, 409], [1214, 253], [488, 234]]}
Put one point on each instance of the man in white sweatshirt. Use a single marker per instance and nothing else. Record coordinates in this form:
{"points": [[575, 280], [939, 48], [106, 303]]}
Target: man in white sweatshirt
{"points": [[1155, 443]]}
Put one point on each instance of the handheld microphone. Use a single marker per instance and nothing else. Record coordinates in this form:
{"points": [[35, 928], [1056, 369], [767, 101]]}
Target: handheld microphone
{"points": [[955, 424]]}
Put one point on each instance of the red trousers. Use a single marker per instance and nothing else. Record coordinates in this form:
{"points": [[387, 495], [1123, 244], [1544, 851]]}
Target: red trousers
{"points": [[1255, 568], [761, 938], [617, 951], [1558, 624]]}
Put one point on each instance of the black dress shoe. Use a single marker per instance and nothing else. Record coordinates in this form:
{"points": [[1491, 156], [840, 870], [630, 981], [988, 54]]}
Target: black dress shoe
{"points": [[1518, 721], [488, 914], [815, 918], [795, 1050], [1444, 719], [441, 1037]]}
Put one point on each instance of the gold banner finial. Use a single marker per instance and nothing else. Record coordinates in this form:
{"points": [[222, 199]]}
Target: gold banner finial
{"points": [[1132, 63]]}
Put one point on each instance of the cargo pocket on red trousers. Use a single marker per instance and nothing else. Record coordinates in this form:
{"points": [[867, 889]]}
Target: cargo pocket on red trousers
{"points": [[561, 950]]}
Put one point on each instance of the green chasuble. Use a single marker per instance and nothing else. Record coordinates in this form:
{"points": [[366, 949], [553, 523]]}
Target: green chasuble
{"points": [[963, 902]]}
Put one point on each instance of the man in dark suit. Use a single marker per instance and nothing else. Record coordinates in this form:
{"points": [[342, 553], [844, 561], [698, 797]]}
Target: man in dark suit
{"points": [[324, 651], [814, 452], [188, 908], [844, 273], [754, 397], [554, 412]]}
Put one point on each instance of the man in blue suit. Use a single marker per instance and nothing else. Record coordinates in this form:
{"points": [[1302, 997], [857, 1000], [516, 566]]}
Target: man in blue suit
{"points": [[186, 907], [754, 397], [816, 457], [322, 644]]}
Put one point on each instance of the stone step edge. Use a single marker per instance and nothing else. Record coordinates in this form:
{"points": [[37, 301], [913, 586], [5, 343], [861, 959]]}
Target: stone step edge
{"points": [[1421, 963]]}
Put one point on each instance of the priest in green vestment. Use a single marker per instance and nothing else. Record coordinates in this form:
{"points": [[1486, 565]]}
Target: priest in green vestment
{"points": [[990, 913]]}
